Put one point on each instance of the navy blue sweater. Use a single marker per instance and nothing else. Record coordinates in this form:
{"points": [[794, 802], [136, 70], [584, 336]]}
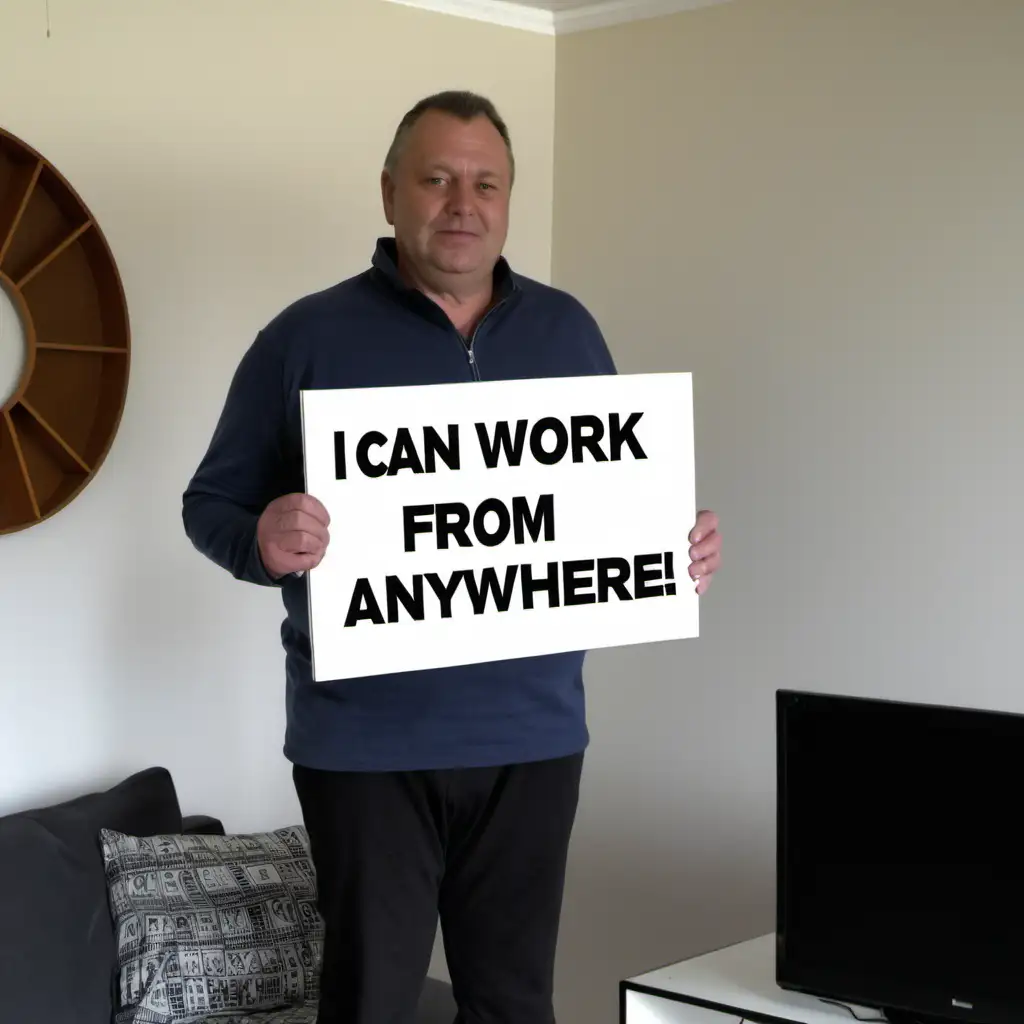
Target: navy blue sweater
{"points": [[370, 331]]}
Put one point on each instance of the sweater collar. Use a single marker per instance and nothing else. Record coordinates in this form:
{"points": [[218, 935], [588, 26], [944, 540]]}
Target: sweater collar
{"points": [[385, 261]]}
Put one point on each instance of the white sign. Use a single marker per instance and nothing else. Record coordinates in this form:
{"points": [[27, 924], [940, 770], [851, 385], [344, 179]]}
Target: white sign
{"points": [[492, 520]]}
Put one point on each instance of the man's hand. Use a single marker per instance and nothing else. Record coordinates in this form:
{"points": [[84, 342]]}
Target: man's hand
{"points": [[705, 550], [292, 534]]}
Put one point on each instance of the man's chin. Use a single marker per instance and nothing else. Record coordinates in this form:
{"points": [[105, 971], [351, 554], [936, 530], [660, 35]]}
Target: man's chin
{"points": [[450, 263]]}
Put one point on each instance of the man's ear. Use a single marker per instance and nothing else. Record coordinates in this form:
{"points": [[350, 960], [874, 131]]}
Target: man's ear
{"points": [[387, 194]]}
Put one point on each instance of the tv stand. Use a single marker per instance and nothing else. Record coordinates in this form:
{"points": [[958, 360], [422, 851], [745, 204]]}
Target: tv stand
{"points": [[726, 986], [905, 1017], [737, 983]]}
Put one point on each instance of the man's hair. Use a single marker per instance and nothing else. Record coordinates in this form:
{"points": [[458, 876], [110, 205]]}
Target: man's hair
{"points": [[458, 103]]}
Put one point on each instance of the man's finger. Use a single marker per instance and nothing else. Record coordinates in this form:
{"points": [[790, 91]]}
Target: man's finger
{"points": [[303, 563], [301, 542], [705, 566], [299, 519], [304, 503], [709, 545], [302, 522], [290, 561], [315, 508], [707, 523]]}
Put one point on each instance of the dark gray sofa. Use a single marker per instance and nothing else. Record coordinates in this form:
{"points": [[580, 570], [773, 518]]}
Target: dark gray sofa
{"points": [[57, 947]]}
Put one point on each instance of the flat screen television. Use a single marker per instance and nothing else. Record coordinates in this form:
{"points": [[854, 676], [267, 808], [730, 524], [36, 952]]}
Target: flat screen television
{"points": [[900, 872]]}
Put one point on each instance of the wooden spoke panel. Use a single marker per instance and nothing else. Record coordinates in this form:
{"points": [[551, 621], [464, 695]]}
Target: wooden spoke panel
{"points": [[55, 265]]}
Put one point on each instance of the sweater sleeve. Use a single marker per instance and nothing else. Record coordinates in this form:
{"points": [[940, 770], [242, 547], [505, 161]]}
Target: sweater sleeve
{"points": [[597, 345], [243, 469]]}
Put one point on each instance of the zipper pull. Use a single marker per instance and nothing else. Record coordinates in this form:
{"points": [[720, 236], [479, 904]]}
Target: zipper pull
{"points": [[472, 358]]}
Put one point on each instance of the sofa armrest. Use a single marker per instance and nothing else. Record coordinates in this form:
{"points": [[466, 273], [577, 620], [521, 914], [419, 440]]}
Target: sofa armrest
{"points": [[202, 825]]}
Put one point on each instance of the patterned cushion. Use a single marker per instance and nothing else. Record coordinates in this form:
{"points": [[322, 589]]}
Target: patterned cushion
{"points": [[213, 926]]}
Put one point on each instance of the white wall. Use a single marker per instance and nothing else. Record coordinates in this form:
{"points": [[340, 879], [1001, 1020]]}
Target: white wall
{"points": [[231, 152], [815, 206]]}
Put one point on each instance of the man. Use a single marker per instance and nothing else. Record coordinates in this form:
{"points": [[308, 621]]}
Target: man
{"points": [[452, 791]]}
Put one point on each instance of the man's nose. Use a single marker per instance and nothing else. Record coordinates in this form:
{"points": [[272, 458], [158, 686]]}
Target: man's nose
{"points": [[461, 196]]}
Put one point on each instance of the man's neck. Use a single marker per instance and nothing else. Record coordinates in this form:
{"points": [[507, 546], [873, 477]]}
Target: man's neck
{"points": [[465, 312], [464, 307]]}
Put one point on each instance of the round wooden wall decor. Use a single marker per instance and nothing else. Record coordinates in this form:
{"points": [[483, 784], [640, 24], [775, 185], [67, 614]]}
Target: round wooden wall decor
{"points": [[58, 272]]}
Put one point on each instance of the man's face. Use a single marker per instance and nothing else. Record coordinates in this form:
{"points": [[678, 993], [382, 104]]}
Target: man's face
{"points": [[449, 199]]}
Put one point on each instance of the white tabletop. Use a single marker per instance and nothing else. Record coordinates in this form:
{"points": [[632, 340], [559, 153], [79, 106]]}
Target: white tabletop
{"points": [[742, 977]]}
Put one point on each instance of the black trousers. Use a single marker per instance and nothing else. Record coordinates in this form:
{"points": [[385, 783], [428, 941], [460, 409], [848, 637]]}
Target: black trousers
{"points": [[483, 850]]}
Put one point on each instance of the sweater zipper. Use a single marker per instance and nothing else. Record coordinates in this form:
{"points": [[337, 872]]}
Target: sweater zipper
{"points": [[468, 345]]}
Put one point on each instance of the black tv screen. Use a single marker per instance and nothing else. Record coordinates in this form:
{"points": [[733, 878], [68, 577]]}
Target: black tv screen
{"points": [[901, 857]]}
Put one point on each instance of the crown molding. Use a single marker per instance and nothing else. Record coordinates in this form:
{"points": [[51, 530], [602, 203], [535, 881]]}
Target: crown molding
{"points": [[605, 13], [495, 12], [599, 14]]}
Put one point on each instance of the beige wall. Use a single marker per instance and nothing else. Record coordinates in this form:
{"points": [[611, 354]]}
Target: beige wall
{"points": [[231, 152], [816, 206]]}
